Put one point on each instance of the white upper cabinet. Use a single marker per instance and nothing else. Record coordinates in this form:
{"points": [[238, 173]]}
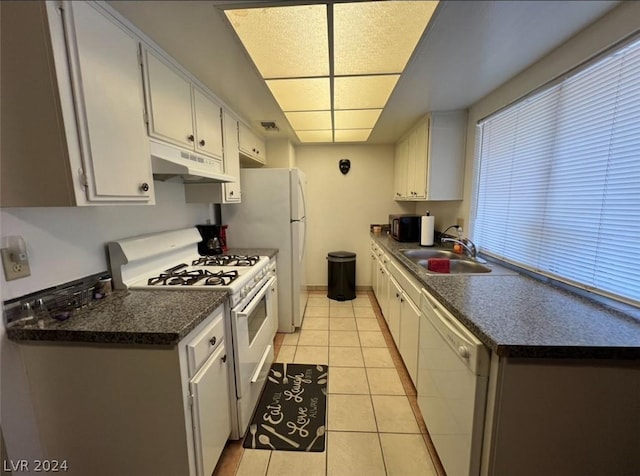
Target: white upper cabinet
{"points": [[73, 128], [221, 192], [252, 147], [430, 159], [232, 192], [208, 121], [179, 112], [169, 108]]}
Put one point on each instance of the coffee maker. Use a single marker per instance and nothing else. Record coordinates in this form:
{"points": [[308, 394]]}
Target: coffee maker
{"points": [[213, 239]]}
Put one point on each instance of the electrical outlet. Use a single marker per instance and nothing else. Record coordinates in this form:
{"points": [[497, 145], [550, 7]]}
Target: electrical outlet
{"points": [[14, 269], [460, 222]]}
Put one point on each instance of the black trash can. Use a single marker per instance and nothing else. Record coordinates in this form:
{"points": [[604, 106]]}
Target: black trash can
{"points": [[341, 275]]}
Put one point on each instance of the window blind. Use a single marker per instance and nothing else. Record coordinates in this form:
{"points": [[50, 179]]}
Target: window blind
{"points": [[558, 184]]}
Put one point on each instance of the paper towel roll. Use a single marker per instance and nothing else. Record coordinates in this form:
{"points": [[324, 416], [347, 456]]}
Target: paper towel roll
{"points": [[426, 230]]}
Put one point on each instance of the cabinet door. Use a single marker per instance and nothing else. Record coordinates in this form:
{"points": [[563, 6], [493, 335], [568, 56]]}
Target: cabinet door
{"points": [[409, 337], [232, 192], [411, 164], [421, 161], [374, 270], [210, 411], [246, 140], [400, 169], [261, 153], [395, 300], [169, 103], [109, 104], [208, 117]]}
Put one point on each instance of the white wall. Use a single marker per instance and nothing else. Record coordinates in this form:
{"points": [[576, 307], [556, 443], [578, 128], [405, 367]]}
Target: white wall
{"points": [[65, 244], [613, 27], [280, 154], [342, 207]]}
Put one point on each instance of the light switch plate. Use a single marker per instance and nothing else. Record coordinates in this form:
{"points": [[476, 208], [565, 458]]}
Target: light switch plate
{"points": [[13, 270], [460, 222]]}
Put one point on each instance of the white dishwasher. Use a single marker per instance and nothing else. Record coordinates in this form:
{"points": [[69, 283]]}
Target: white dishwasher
{"points": [[453, 370]]}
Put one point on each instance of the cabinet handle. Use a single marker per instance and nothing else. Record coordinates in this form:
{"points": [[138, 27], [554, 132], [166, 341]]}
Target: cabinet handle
{"points": [[202, 142], [224, 358], [213, 340], [190, 138], [144, 187]]}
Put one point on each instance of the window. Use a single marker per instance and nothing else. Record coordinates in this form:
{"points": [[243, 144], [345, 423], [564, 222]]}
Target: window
{"points": [[558, 188]]}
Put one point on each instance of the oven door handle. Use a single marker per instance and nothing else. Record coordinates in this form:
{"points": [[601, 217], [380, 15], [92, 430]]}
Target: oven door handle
{"points": [[255, 300], [256, 374]]}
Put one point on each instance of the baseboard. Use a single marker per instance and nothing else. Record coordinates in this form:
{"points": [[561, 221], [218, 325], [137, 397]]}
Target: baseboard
{"points": [[362, 289]]}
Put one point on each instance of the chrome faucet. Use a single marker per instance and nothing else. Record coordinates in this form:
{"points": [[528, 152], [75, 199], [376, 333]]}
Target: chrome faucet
{"points": [[467, 245]]}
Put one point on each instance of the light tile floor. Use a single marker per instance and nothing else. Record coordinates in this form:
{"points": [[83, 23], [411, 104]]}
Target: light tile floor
{"points": [[373, 422]]}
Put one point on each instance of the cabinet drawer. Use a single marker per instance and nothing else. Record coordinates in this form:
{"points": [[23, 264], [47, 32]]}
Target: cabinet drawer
{"points": [[205, 343]]}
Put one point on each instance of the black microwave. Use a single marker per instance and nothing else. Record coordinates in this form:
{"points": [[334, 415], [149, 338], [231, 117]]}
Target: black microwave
{"points": [[405, 227]]}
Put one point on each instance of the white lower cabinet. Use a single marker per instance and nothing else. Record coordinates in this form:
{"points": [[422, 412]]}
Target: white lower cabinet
{"points": [[409, 337], [395, 302], [397, 294], [133, 410], [210, 411]]}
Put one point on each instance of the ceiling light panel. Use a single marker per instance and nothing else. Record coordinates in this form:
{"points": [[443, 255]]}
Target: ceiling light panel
{"points": [[363, 92], [360, 119], [311, 94], [309, 120], [352, 135], [315, 136], [284, 42], [377, 37]]}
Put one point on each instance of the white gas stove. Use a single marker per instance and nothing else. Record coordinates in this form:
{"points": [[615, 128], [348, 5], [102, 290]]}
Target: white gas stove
{"points": [[170, 261]]}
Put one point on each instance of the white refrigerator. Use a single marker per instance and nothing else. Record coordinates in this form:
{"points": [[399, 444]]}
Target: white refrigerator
{"points": [[272, 214]]}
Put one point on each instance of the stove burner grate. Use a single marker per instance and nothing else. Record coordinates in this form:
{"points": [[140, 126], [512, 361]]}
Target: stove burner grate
{"points": [[226, 260], [176, 276]]}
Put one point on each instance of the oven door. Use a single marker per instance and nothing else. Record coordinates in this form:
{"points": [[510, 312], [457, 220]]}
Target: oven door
{"points": [[253, 329]]}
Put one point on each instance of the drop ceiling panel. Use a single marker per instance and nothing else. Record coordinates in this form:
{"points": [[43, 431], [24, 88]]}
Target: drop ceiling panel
{"points": [[309, 120], [360, 119], [285, 42], [363, 92], [309, 94], [352, 135], [315, 136], [377, 37]]}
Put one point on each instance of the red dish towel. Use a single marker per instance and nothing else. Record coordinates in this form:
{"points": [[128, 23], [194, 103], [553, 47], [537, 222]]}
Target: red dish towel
{"points": [[438, 265]]}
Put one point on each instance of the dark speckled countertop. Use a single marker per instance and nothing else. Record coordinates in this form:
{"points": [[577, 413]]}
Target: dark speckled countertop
{"points": [[156, 317], [518, 316], [129, 317]]}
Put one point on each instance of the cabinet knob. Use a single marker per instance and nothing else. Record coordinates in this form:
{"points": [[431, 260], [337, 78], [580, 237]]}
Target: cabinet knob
{"points": [[231, 193], [213, 340], [144, 187], [190, 138], [202, 142], [254, 150], [224, 358]]}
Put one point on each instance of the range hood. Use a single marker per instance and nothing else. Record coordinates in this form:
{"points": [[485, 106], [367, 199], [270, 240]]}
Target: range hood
{"points": [[168, 162]]}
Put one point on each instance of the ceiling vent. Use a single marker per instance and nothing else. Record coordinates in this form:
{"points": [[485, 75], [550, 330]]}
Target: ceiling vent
{"points": [[269, 126]]}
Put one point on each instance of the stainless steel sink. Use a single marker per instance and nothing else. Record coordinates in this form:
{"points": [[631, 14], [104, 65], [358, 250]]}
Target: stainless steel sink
{"points": [[415, 255], [458, 264]]}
